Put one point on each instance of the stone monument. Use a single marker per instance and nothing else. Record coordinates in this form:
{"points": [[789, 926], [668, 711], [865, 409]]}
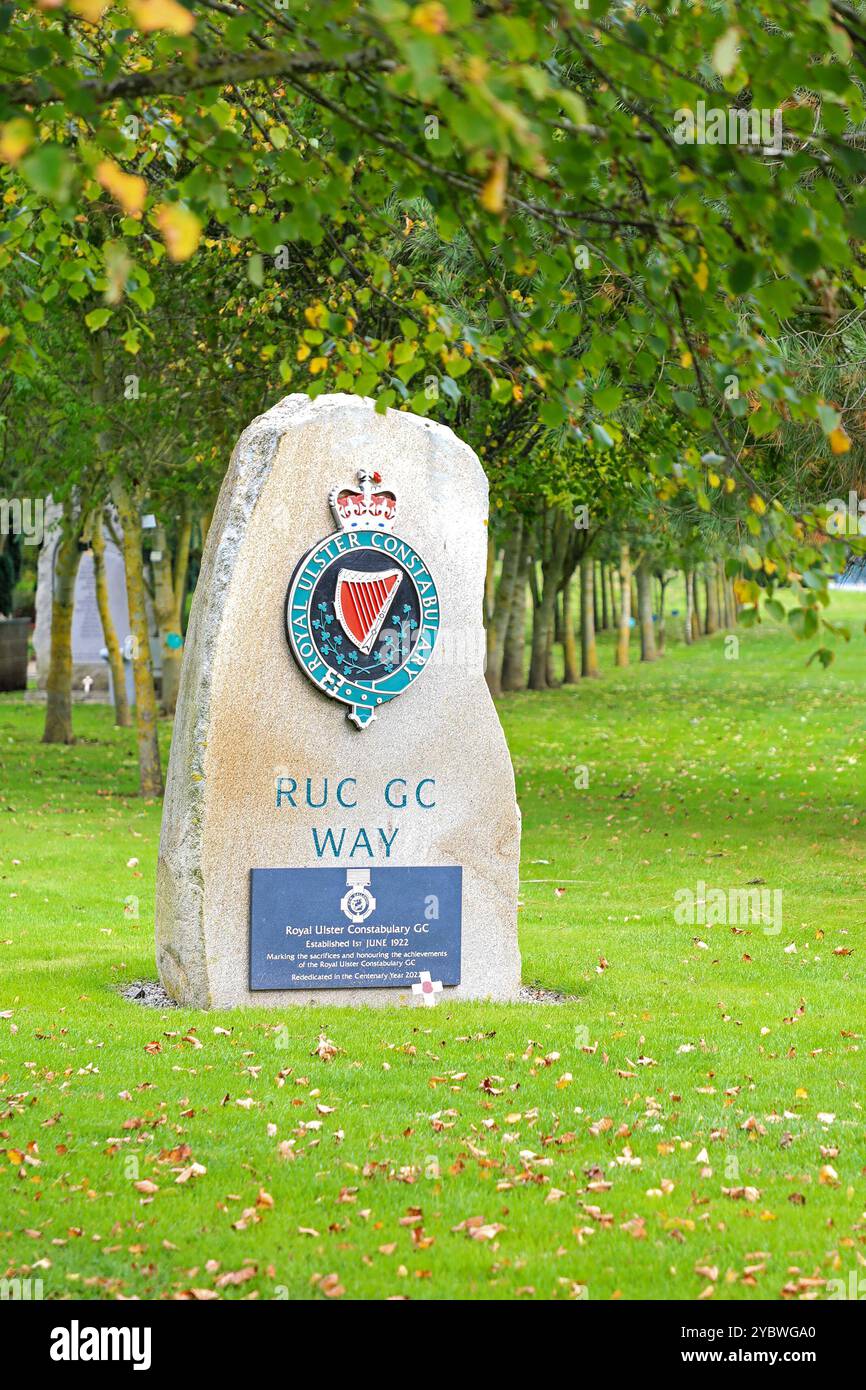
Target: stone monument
{"points": [[340, 823]]}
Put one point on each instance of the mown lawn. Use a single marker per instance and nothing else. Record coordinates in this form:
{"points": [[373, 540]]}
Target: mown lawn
{"points": [[593, 1141]]}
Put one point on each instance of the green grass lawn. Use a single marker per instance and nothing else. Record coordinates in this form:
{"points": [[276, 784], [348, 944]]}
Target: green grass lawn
{"points": [[689, 1124]]}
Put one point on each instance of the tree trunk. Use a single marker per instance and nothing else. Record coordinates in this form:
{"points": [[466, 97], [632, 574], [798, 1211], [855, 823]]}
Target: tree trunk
{"points": [[605, 612], [588, 653], [712, 622], [169, 590], [645, 610], [697, 629], [171, 672], [625, 606], [542, 617], [544, 599], [122, 716], [514, 653], [614, 612], [150, 771], [726, 597], [663, 584], [503, 605], [551, 635], [58, 707], [687, 620], [569, 643], [490, 579]]}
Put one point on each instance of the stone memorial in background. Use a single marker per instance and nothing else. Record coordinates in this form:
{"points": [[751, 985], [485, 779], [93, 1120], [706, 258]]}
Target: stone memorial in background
{"points": [[88, 640], [340, 822]]}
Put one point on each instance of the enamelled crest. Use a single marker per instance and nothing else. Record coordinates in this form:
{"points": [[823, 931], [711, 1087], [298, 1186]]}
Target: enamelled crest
{"points": [[362, 611]]}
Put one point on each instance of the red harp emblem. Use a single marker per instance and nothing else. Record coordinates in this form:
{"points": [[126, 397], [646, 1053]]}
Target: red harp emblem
{"points": [[362, 599]]}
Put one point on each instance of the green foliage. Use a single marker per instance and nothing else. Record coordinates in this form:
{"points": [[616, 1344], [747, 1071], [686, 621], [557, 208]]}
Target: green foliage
{"points": [[495, 216]]}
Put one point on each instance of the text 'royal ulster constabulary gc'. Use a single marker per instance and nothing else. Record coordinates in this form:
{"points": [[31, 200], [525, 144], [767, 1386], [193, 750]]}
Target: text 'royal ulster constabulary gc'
{"points": [[340, 822]]}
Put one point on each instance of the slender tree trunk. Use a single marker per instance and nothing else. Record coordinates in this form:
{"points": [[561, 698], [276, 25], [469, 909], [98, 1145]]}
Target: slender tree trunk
{"points": [[605, 612], [569, 642], [181, 572], [726, 600], [556, 532], [687, 620], [712, 610], [150, 771], [542, 619], [588, 652], [645, 610], [58, 707], [169, 590], [122, 716], [663, 584], [503, 605], [614, 612], [514, 654], [697, 629], [551, 634], [624, 634], [490, 580]]}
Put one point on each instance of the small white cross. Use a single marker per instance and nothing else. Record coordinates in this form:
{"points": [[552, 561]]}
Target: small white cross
{"points": [[427, 988]]}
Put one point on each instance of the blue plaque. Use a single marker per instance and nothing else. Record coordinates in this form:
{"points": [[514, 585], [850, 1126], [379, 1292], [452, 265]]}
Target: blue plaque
{"points": [[354, 928]]}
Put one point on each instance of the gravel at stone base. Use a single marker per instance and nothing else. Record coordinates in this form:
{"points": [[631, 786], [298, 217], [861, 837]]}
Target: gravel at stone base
{"points": [[151, 995]]}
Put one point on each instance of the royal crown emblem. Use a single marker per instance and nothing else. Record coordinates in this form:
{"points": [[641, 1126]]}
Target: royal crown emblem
{"points": [[362, 610]]}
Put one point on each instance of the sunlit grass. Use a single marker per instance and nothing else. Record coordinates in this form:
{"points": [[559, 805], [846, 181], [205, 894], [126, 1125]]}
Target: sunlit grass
{"points": [[577, 1129]]}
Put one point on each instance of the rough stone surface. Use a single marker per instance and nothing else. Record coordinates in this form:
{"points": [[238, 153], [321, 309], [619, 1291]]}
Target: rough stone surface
{"points": [[247, 714]]}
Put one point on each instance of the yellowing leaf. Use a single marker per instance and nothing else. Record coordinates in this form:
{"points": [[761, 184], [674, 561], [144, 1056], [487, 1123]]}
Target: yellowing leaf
{"points": [[91, 10], [431, 17], [180, 228], [129, 190], [757, 504], [725, 52], [16, 137], [161, 14], [702, 276], [839, 441], [493, 192], [318, 364]]}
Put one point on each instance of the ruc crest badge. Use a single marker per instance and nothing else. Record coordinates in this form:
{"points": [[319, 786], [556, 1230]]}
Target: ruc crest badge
{"points": [[362, 610]]}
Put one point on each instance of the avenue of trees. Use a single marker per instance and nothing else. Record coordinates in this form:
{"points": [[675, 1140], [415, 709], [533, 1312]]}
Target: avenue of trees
{"points": [[479, 212]]}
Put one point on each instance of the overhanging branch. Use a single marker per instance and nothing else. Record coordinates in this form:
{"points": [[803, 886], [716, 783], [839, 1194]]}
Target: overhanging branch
{"points": [[218, 69]]}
